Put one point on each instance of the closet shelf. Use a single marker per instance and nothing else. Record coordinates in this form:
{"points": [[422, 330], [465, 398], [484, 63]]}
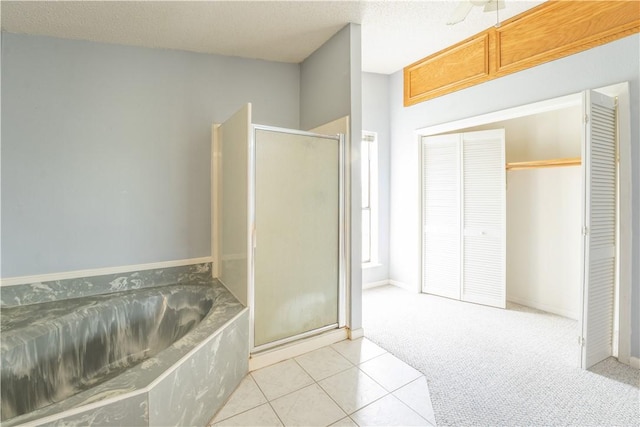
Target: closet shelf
{"points": [[551, 163]]}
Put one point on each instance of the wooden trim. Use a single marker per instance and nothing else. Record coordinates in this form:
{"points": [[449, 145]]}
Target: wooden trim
{"points": [[551, 163], [550, 31]]}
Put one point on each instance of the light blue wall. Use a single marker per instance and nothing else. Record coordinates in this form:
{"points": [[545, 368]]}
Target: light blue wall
{"points": [[331, 88], [601, 66], [325, 82], [375, 118], [106, 148]]}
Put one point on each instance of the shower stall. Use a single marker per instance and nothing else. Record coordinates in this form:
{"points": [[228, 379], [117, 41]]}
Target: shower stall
{"points": [[279, 227]]}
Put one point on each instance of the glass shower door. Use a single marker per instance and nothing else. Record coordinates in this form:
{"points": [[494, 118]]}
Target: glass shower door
{"points": [[297, 241]]}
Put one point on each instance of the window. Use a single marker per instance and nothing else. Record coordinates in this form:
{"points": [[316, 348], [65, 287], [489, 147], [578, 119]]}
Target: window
{"points": [[369, 171]]}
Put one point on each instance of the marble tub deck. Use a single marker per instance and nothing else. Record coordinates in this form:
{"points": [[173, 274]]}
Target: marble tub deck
{"points": [[350, 383], [185, 384]]}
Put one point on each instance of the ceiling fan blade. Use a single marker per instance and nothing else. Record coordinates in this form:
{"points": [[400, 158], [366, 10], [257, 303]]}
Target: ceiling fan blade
{"points": [[494, 5], [461, 12]]}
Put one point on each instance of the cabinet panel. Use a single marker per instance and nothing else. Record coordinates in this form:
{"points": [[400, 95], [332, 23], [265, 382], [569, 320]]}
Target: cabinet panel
{"points": [[553, 30], [560, 29], [460, 66]]}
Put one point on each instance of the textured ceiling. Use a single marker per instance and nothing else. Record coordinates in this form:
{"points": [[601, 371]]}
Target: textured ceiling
{"points": [[394, 33]]}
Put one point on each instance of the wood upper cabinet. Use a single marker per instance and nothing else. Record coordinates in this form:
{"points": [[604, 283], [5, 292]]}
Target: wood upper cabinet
{"points": [[462, 65], [547, 32]]}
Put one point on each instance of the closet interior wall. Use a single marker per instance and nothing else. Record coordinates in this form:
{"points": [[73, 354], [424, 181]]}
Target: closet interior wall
{"points": [[543, 211]]}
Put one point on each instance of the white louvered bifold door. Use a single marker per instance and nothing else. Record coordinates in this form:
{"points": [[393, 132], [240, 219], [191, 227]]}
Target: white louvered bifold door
{"points": [[483, 218], [599, 227], [441, 215]]}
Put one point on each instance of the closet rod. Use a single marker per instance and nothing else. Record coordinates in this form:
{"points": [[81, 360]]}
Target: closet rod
{"points": [[551, 163]]}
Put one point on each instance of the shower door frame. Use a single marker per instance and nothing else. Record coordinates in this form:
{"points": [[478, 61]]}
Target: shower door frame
{"points": [[342, 261]]}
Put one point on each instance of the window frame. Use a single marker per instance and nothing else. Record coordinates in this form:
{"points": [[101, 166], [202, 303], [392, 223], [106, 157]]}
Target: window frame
{"points": [[373, 207]]}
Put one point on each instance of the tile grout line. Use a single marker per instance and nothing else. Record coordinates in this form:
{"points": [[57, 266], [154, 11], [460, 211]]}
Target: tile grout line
{"points": [[317, 383], [357, 365], [292, 391], [275, 412], [372, 379], [399, 400], [286, 394], [333, 400], [394, 390], [241, 412], [266, 398], [337, 352], [410, 382], [324, 391], [363, 361], [410, 408], [407, 405]]}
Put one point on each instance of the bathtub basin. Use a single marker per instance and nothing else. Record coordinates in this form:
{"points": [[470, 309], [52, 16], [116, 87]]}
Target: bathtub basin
{"points": [[75, 359]]}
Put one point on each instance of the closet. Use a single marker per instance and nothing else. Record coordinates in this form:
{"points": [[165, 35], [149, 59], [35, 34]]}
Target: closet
{"points": [[543, 210], [557, 221], [463, 214]]}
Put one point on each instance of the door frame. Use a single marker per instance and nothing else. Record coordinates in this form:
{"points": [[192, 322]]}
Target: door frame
{"points": [[342, 260], [624, 242]]}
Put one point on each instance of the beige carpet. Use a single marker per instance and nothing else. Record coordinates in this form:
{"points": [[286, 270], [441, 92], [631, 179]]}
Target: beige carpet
{"points": [[493, 367]]}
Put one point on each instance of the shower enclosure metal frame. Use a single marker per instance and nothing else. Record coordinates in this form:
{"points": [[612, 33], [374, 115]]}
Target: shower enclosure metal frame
{"points": [[342, 262]]}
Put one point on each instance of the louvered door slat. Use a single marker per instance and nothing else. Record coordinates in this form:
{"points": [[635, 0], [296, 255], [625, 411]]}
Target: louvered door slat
{"points": [[483, 252], [441, 216], [599, 218]]}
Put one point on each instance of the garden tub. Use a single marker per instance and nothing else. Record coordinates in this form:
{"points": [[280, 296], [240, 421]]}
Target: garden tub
{"points": [[167, 355]]}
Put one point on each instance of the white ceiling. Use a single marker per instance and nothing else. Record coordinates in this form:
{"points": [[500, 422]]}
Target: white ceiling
{"points": [[394, 33]]}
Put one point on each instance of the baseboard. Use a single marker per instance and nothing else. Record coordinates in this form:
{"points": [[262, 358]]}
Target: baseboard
{"points": [[354, 334], [21, 280], [375, 284], [404, 286], [544, 307], [295, 349], [634, 362]]}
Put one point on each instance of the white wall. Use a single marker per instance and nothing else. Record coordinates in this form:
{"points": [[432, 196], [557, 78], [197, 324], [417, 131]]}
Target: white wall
{"points": [[375, 118], [549, 135], [601, 66], [106, 149], [543, 211], [544, 239]]}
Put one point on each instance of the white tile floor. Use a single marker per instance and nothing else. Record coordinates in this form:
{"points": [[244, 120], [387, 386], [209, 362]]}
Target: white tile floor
{"points": [[350, 383]]}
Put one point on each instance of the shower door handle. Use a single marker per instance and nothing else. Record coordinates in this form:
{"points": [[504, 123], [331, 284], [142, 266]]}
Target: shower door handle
{"points": [[253, 237]]}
